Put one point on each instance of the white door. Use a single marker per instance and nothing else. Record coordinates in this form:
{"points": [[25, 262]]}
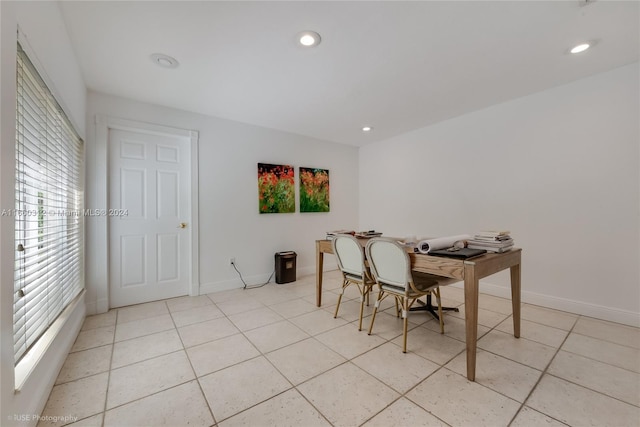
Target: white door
{"points": [[149, 216]]}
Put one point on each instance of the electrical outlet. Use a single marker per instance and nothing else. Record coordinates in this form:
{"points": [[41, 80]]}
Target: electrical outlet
{"points": [[232, 260]]}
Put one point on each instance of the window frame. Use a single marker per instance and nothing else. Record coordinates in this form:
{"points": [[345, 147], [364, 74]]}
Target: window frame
{"points": [[49, 223]]}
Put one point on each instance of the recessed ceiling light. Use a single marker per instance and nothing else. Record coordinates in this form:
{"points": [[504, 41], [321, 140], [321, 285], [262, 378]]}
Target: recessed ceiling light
{"points": [[580, 48], [367, 129], [309, 38], [164, 61]]}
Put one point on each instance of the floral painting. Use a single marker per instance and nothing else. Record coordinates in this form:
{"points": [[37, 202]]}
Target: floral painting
{"points": [[314, 190], [276, 188]]}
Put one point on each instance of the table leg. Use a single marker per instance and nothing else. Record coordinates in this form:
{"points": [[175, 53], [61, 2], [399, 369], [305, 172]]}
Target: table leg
{"points": [[471, 318], [515, 298], [319, 266]]}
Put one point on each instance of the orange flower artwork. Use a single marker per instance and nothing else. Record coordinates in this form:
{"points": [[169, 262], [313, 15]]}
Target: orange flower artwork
{"points": [[314, 190], [276, 188]]}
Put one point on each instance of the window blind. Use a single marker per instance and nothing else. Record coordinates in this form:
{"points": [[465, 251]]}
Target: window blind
{"points": [[48, 209]]}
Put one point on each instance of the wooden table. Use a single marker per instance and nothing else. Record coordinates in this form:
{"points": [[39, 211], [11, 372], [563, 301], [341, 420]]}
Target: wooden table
{"points": [[469, 271]]}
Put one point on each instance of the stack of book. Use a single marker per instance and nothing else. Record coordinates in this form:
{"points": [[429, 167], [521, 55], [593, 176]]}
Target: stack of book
{"points": [[368, 234], [491, 241], [362, 234], [332, 234]]}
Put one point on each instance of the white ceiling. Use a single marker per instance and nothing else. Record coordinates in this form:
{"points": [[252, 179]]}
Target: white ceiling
{"points": [[396, 66]]}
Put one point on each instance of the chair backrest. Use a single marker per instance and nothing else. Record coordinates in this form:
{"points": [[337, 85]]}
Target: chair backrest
{"points": [[389, 262], [349, 253]]}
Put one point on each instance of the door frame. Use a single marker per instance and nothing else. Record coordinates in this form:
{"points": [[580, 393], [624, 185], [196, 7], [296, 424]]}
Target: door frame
{"points": [[97, 254]]}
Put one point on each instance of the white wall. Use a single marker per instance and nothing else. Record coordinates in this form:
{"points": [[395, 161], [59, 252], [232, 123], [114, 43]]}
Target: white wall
{"points": [[560, 169], [45, 40], [230, 225]]}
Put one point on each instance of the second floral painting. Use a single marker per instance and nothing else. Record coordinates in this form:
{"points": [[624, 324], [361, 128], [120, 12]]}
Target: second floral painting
{"points": [[314, 190]]}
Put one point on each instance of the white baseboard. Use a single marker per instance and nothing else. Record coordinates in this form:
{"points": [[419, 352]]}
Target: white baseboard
{"points": [[225, 285], [208, 288], [571, 306], [307, 271], [91, 309], [97, 307]]}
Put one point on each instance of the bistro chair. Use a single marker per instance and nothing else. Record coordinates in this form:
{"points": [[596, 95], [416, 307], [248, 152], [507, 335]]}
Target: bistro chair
{"points": [[391, 269], [350, 255]]}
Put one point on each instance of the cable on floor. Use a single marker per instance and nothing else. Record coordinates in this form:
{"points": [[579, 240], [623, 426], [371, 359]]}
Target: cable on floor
{"points": [[246, 286]]}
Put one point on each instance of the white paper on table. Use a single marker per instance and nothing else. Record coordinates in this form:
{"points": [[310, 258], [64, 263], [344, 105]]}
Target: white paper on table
{"points": [[428, 245]]}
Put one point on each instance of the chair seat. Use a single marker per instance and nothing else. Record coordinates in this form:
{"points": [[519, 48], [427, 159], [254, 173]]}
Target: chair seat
{"points": [[393, 289], [358, 278], [424, 282], [423, 287], [354, 277]]}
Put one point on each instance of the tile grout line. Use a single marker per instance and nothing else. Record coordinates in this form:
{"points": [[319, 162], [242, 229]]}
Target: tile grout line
{"points": [[183, 349], [130, 364], [293, 386], [113, 348], [314, 337], [491, 329], [571, 331], [197, 379], [601, 361], [544, 371], [264, 356], [401, 395], [443, 366], [260, 354], [594, 360]]}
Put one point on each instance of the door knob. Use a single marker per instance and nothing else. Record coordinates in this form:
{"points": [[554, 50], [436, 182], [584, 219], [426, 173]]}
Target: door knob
{"points": [[183, 225]]}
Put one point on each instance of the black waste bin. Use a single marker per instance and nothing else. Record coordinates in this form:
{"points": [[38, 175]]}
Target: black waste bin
{"points": [[285, 267]]}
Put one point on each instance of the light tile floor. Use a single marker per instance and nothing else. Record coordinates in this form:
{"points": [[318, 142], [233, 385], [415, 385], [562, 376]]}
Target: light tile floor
{"points": [[270, 357]]}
